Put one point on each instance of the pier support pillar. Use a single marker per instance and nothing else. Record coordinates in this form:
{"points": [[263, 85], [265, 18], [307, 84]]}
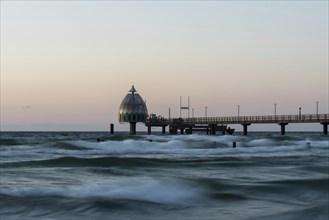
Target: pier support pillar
{"points": [[149, 129], [173, 130], [245, 129], [283, 128], [212, 128], [163, 129], [132, 127], [325, 128], [111, 128], [188, 130]]}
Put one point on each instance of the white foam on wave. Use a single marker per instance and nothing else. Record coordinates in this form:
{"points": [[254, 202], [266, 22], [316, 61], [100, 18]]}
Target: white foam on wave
{"points": [[271, 149], [316, 144], [166, 146], [21, 153], [195, 138], [262, 142], [148, 190], [133, 146], [195, 146], [153, 142]]}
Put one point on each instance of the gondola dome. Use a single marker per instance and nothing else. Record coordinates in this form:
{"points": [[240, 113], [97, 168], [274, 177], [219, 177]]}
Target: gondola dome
{"points": [[132, 108]]}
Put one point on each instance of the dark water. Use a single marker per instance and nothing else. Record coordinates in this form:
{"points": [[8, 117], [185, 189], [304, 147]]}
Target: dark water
{"points": [[63, 175]]}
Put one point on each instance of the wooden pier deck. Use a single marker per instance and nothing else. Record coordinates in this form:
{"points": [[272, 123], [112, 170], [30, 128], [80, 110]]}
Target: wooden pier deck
{"points": [[214, 122]]}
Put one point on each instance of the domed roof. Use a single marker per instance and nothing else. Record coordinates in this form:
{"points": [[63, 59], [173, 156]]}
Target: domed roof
{"points": [[132, 108]]}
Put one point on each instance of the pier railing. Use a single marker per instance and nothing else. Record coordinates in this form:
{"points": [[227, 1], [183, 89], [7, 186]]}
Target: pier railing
{"points": [[245, 121], [267, 119], [304, 118]]}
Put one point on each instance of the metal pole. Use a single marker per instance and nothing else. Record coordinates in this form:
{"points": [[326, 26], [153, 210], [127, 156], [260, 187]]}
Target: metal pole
{"points": [[180, 107], [317, 107], [169, 113], [238, 111], [189, 107], [300, 113], [206, 108], [192, 112], [275, 110]]}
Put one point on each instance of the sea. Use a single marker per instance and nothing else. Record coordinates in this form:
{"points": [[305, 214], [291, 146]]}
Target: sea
{"points": [[95, 175]]}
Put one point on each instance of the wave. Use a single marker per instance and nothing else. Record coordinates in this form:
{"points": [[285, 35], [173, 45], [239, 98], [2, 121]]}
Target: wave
{"points": [[68, 176], [9, 142], [160, 191], [67, 145], [154, 156], [132, 162], [318, 183], [199, 147]]}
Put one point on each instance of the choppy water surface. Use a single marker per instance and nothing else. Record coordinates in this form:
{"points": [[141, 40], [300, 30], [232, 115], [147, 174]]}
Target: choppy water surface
{"points": [[64, 175]]}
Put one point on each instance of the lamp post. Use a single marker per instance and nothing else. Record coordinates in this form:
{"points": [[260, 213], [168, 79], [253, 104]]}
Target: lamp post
{"points": [[192, 112], [206, 109], [238, 111], [169, 113], [180, 107], [188, 106], [317, 107], [275, 110], [300, 112]]}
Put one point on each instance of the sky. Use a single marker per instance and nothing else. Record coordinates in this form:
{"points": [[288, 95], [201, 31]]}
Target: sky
{"points": [[66, 65]]}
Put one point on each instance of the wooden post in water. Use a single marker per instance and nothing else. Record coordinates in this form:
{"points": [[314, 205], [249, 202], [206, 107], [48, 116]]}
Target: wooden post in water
{"points": [[111, 128]]}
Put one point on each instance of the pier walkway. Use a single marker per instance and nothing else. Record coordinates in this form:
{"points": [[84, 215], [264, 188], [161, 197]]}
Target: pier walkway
{"points": [[213, 124]]}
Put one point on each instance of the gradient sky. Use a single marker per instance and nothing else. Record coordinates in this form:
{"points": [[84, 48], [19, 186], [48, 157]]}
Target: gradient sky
{"points": [[67, 65]]}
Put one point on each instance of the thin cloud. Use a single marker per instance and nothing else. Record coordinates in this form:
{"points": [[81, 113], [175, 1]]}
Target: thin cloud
{"points": [[25, 107]]}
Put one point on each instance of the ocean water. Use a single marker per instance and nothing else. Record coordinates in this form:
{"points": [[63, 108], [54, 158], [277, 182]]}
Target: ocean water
{"points": [[69, 175]]}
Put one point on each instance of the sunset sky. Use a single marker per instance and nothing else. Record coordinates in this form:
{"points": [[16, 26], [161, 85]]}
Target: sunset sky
{"points": [[67, 65]]}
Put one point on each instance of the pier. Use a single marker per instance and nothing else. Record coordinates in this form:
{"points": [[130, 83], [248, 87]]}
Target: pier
{"points": [[133, 110], [213, 124]]}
